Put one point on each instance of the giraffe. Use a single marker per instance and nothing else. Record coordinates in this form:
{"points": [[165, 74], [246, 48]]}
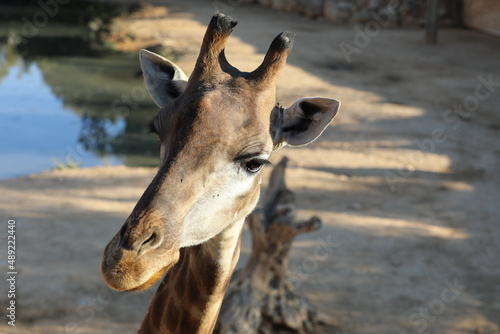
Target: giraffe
{"points": [[216, 129]]}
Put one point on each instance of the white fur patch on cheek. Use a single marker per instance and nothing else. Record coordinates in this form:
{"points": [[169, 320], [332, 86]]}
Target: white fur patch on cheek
{"points": [[212, 212]]}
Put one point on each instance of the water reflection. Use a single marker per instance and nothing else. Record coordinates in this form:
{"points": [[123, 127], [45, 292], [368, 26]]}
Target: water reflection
{"points": [[72, 110]]}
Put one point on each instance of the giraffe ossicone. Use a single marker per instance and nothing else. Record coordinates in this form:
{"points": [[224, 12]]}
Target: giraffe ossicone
{"points": [[217, 129]]}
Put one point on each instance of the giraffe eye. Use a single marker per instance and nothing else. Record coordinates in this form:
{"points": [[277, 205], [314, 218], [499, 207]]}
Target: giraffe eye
{"points": [[254, 165]]}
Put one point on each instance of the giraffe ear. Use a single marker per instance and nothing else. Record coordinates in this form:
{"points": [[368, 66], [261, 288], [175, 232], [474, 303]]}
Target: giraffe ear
{"points": [[165, 80], [303, 122]]}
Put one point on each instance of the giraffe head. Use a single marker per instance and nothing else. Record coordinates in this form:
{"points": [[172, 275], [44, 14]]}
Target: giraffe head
{"points": [[216, 130]]}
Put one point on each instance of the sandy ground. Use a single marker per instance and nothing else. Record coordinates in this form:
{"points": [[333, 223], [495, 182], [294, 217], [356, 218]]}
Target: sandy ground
{"points": [[408, 192]]}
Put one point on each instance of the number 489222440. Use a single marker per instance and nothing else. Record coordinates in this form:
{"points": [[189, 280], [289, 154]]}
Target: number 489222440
{"points": [[11, 244]]}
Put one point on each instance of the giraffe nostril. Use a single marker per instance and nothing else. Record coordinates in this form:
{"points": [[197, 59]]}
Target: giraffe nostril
{"points": [[151, 241]]}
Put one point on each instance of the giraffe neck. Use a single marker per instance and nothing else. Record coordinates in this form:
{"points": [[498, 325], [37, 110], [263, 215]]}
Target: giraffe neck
{"points": [[190, 296]]}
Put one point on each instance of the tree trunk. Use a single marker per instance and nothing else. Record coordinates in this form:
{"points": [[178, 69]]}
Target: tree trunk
{"points": [[431, 25], [260, 298]]}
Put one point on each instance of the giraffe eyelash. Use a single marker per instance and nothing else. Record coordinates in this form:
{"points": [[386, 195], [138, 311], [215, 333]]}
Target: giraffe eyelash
{"points": [[151, 126]]}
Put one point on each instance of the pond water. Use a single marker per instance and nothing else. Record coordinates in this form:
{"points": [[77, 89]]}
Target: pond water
{"points": [[71, 108]]}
